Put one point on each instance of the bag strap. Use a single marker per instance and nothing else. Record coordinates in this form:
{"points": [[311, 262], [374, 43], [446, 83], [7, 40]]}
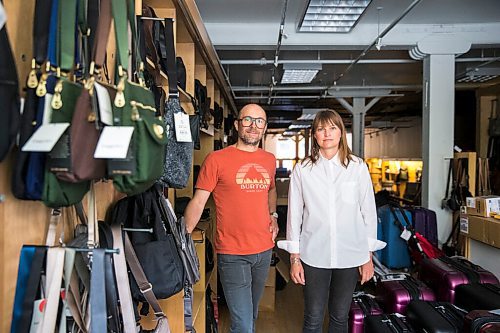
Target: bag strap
{"points": [[102, 35], [73, 297], [450, 168], [141, 279], [122, 280], [92, 227], [169, 48], [41, 30], [67, 34], [32, 287], [98, 311], [55, 218], [54, 271], [188, 307]]}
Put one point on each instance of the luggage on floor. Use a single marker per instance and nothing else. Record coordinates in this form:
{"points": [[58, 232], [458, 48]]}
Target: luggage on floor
{"points": [[481, 321], [387, 323], [395, 294], [478, 296], [362, 305], [443, 275], [425, 223], [395, 254], [435, 317]]}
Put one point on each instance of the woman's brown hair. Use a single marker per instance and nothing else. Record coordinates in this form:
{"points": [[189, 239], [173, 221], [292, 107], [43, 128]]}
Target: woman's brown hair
{"points": [[333, 118]]}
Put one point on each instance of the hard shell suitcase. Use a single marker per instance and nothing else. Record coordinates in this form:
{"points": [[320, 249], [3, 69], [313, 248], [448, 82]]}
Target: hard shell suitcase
{"points": [[443, 275], [478, 296], [396, 253], [362, 306], [435, 317], [395, 295], [481, 321], [387, 323], [425, 223]]}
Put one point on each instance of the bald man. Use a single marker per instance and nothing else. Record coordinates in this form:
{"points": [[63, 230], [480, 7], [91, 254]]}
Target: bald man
{"points": [[241, 179]]}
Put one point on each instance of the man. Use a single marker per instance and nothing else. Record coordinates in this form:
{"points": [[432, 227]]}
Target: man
{"points": [[241, 179]]}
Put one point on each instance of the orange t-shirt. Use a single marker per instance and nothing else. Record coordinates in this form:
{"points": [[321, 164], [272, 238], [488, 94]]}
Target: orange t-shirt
{"points": [[240, 182]]}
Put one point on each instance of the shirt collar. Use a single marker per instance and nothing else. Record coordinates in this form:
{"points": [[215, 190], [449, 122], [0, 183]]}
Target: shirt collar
{"points": [[335, 159]]}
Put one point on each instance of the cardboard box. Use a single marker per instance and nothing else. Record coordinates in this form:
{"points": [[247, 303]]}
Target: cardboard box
{"points": [[483, 206], [483, 229]]}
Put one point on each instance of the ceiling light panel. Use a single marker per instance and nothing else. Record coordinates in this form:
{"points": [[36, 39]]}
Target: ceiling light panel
{"points": [[299, 73], [332, 15]]}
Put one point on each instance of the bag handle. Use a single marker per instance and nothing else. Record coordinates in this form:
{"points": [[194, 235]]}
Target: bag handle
{"points": [[54, 271], [98, 311], [142, 281], [122, 280]]}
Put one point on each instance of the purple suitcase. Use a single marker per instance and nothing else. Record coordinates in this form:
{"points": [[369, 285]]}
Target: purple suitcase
{"points": [[443, 275], [362, 306], [481, 321], [395, 295], [425, 223]]}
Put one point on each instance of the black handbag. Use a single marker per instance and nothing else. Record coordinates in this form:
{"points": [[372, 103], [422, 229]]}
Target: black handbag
{"points": [[156, 250]]}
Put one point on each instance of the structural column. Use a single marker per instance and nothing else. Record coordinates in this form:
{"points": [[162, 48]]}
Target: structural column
{"points": [[438, 102]]}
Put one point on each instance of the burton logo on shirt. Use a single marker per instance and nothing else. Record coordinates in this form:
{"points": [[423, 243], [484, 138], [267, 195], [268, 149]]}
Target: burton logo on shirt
{"points": [[253, 177]]}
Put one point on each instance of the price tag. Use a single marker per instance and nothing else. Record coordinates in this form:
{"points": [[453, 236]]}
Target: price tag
{"points": [[406, 235], [464, 224], [182, 127], [114, 142], [45, 137], [104, 101]]}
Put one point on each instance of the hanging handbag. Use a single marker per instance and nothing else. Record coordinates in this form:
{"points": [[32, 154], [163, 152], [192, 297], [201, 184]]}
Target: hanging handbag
{"points": [[179, 155], [134, 105]]}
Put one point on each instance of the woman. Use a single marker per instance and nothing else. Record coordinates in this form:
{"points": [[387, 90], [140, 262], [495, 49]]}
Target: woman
{"points": [[332, 225]]}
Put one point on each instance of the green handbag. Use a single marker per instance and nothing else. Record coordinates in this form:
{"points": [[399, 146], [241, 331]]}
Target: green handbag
{"points": [[134, 105], [58, 193], [146, 155]]}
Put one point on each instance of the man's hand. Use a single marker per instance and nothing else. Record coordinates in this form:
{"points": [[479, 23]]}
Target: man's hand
{"points": [[366, 271], [273, 227]]}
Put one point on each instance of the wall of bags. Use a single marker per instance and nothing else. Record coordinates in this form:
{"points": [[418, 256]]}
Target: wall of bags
{"points": [[26, 222]]}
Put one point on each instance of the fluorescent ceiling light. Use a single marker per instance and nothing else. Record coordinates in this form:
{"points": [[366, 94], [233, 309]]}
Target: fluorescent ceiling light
{"points": [[479, 75], [332, 15], [299, 73], [289, 133]]}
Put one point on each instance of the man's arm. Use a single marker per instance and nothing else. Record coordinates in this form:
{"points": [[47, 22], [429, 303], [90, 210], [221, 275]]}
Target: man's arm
{"points": [[195, 208], [272, 199]]}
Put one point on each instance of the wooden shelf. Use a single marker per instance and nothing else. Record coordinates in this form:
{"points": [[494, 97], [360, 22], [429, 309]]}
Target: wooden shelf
{"points": [[198, 304]]}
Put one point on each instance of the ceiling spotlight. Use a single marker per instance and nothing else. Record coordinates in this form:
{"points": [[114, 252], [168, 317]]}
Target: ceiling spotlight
{"points": [[378, 45]]}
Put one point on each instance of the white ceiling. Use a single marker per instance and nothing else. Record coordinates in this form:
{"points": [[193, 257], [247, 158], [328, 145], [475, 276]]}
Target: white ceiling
{"points": [[245, 31]]}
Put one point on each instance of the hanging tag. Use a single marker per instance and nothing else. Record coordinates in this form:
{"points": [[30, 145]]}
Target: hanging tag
{"points": [[45, 137], [464, 223], [182, 127], [406, 235], [114, 142], [105, 108]]}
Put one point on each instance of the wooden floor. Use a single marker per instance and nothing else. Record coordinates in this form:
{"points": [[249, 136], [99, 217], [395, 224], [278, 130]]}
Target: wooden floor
{"points": [[286, 318]]}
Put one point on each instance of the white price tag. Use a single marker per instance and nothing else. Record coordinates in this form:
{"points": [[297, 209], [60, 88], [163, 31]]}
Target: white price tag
{"points": [[182, 127], [464, 224], [114, 142], [406, 235], [104, 101], [45, 137]]}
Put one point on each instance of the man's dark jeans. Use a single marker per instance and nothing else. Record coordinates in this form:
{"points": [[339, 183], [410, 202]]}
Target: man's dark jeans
{"points": [[243, 278]]}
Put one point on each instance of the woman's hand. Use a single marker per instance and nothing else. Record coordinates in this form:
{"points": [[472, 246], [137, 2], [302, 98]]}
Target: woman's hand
{"points": [[297, 271], [366, 271]]}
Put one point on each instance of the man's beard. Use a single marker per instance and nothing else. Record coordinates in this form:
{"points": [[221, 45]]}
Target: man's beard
{"points": [[249, 140]]}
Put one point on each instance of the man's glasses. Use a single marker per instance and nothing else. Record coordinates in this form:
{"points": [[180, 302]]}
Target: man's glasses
{"points": [[247, 122]]}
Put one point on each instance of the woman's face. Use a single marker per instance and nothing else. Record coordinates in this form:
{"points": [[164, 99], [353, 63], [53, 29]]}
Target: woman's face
{"points": [[328, 136]]}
